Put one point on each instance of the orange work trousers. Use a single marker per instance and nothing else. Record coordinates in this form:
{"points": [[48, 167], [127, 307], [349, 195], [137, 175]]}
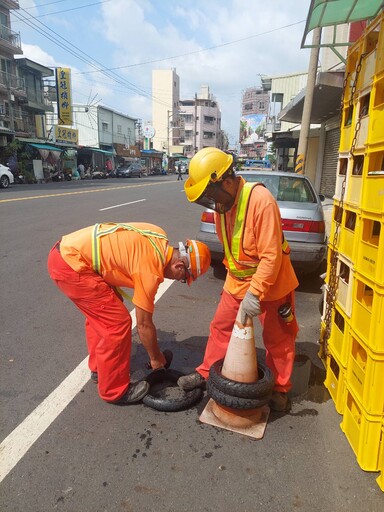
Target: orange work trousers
{"points": [[278, 337], [108, 325]]}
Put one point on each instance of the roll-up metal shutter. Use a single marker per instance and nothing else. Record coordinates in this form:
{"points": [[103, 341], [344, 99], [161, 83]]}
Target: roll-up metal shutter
{"points": [[331, 155]]}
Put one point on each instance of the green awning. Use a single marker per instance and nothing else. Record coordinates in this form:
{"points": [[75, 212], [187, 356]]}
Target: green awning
{"points": [[45, 146], [325, 13]]}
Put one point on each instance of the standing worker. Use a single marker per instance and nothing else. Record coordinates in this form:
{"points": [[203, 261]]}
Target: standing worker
{"points": [[179, 176], [88, 266], [260, 278]]}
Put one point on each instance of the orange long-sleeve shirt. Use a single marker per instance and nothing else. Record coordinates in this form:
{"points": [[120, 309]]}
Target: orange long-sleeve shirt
{"points": [[127, 259], [262, 241]]}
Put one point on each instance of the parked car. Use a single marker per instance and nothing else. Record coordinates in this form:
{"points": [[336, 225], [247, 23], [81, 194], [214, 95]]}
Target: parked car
{"points": [[129, 170], [301, 213], [6, 176]]}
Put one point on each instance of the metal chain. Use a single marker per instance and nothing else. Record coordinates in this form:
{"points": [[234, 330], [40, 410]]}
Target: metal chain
{"points": [[333, 277]]}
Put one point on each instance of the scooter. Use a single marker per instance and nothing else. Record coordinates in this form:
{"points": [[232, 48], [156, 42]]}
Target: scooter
{"points": [[57, 176]]}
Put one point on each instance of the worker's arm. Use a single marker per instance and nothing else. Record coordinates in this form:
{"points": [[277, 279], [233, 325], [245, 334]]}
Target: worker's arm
{"points": [[147, 334]]}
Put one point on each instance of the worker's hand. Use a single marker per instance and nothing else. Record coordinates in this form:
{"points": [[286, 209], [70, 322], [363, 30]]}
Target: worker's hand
{"points": [[163, 361], [249, 307]]}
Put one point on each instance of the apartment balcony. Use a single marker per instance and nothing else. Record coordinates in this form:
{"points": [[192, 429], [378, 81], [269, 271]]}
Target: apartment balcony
{"points": [[12, 82], [10, 40], [273, 125]]}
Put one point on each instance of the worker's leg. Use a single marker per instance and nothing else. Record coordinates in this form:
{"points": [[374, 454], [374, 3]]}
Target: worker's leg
{"points": [[279, 341], [109, 320], [93, 339], [220, 332]]}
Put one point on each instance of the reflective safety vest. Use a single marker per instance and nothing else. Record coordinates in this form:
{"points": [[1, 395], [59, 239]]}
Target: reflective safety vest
{"points": [[243, 269], [98, 233]]}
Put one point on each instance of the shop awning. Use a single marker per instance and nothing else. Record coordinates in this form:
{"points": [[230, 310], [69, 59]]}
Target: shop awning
{"points": [[326, 100], [45, 146], [326, 13], [96, 150]]}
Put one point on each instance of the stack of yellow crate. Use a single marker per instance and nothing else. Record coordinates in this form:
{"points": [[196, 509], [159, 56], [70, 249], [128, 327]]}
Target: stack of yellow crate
{"points": [[355, 359]]}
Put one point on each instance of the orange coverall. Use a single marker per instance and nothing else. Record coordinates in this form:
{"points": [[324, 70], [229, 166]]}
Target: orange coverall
{"points": [[273, 282], [127, 259]]}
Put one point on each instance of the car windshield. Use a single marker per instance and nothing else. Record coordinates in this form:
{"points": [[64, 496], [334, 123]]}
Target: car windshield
{"points": [[284, 188]]}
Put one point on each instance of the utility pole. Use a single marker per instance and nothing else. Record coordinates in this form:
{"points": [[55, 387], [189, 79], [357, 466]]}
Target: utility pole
{"points": [[307, 108]]}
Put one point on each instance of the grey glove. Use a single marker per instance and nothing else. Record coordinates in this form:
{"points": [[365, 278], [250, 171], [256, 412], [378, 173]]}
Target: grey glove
{"points": [[249, 307]]}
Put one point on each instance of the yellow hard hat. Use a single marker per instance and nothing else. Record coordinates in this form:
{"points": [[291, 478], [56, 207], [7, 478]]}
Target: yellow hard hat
{"points": [[208, 165], [199, 258]]}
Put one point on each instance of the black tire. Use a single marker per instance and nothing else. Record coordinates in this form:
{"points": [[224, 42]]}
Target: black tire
{"points": [[240, 389], [236, 402], [4, 181], [153, 400]]}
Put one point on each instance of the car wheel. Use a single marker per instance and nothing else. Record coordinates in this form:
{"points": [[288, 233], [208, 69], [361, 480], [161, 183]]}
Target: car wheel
{"points": [[159, 380], [241, 389], [4, 181]]}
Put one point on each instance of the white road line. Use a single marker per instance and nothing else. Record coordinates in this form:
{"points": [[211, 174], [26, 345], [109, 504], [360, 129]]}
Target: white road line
{"points": [[123, 204], [16, 445]]}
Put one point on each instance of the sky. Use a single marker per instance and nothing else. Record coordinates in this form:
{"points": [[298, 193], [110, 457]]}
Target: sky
{"points": [[112, 46]]}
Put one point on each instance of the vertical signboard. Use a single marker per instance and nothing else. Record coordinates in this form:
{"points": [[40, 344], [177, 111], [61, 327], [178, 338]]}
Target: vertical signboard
{"points": [[64, 103]]}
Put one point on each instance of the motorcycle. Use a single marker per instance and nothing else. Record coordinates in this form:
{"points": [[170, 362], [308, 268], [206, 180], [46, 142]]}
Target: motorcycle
{"points": [[57, 176]]}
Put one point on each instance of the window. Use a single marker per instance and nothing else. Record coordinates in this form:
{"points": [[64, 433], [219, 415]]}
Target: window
{"points": [[104, 126], [188, 118], [119, 129]]}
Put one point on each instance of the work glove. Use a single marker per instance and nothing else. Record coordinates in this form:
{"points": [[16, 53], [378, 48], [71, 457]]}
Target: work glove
{"points": [[249, 307]]}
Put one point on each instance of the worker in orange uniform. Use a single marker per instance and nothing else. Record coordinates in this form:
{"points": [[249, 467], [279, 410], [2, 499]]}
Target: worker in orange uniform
{"points": [[91, 264], [260, 277]]}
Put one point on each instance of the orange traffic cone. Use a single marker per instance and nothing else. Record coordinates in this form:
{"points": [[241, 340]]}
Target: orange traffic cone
{"points": [[240, 364]]}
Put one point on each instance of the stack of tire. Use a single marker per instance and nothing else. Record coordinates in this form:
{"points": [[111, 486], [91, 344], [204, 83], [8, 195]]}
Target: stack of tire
{"points": [[240, 395]]}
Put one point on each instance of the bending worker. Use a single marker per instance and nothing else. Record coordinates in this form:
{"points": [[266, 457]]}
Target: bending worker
{"points": [[260, 277], [88, 266]]}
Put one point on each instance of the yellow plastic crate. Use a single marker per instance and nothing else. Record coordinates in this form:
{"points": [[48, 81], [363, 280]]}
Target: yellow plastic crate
{"points": [[380, 478], [363, 431], [349, 232], [353, 57], [365, 376], [370, 249], [345, 278], [379, 67], [347, 127], [339, 340], [335, 382], [341, 174], [345, 281], [376, 114], [368, 68], [372, 197], [355, 180], [337, 217], [367, 318], [362, 135]]}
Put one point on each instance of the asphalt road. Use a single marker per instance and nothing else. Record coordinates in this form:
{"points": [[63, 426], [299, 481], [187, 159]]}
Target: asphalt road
{"points": [[67, 450]]}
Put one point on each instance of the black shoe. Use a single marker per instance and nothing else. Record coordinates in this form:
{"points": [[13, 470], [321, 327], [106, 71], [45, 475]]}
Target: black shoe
{"points": [[191, 381], [279, 401], [94, 377], [136, 391]]}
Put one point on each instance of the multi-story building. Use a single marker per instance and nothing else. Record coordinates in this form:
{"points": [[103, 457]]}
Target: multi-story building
{"points": [[165, 109], [202, 122], [12, 88], [22, 96], [254, 111], [104, 133]]}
